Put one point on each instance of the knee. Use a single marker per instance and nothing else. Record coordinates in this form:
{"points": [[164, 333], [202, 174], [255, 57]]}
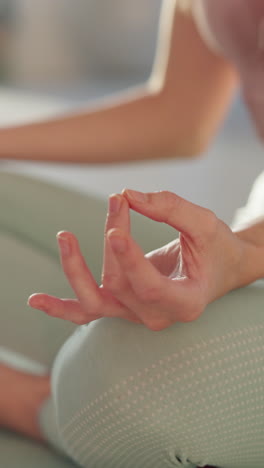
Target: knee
{"points": [[110, 397], [127, 397]]}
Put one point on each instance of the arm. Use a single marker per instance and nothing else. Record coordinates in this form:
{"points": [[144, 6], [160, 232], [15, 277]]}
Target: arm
{"points": [[175, 114], [252, 237]]}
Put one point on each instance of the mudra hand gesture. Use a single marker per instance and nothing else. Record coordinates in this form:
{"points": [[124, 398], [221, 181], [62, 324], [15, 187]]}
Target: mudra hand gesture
{"points": [[173, 283]]}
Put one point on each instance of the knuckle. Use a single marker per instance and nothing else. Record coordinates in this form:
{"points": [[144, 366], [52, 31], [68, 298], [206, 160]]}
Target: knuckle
{"points": [[168, 196], [208, 229], [91, 307], [210, 221], [171, 201]]}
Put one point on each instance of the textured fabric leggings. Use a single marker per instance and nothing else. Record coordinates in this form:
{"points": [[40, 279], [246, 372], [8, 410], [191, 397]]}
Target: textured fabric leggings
{"points": [[126, 397]]}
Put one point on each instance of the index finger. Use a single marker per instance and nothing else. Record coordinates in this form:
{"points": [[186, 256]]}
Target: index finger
{"points": [[169, 208], [117, 217]]}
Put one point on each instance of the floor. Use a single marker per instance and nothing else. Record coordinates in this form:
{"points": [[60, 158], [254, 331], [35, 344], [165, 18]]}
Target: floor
{"points": [[220, 179]]}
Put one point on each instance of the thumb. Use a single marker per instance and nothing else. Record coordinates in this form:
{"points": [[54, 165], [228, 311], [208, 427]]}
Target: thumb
{"points": [[169, 208]]}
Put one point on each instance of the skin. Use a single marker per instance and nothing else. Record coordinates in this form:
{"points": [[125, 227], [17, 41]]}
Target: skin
{"points": [[20, 399], [150, 122], [173, 283], [208, 261], [238, 28], [169, 116]]}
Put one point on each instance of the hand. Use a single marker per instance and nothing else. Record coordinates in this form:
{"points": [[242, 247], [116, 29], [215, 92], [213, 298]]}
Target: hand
{"points": [[173, 283]]}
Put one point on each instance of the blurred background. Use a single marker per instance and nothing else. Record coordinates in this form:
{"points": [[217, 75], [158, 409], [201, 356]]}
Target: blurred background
{"points": [[57, 55]]}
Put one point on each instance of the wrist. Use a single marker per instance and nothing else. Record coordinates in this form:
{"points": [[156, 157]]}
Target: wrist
{"points": [[251, 266], [243, 264], [253, 233]]}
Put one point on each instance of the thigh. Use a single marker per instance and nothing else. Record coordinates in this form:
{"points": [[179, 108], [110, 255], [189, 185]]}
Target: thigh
{"points": [[191, 395]]}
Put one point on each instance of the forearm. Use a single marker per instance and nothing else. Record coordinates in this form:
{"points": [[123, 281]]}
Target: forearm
{"points": [[175, 114], [125, 129]]}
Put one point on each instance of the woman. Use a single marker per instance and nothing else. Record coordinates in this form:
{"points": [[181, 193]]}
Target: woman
{"points": [[121, 406]]}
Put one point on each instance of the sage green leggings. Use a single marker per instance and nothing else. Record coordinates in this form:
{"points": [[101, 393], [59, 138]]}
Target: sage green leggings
{"points": [[192, 395]]}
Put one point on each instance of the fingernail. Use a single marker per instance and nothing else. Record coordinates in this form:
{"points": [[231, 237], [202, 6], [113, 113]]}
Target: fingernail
{"points": [[118, 243], [137, 196], [64, 244], [31, 301], [114, 204], [35, 302]]}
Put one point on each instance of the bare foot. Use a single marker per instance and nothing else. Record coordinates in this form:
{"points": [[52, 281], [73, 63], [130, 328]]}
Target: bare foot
{"points": [[21, 396]]}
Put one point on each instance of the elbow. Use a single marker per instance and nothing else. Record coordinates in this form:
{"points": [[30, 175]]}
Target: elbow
{"points": [[190, 144], [177, 133], [182, 134], [194, 145]]}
